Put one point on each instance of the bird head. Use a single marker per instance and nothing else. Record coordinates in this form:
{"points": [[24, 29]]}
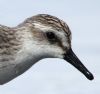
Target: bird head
{"points": [[51, 38]]}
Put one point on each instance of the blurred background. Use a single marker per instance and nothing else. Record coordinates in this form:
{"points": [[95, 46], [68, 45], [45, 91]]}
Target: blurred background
{"points": [[56, 76]]}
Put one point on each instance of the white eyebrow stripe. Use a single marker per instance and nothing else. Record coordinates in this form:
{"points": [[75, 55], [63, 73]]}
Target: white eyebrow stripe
{"points": [[46, 28], [42, 27]]}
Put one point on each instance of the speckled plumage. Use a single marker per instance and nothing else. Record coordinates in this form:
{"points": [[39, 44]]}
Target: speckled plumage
{"points": [[9, 44]]}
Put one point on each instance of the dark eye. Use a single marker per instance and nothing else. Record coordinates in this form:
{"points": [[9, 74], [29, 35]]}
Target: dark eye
{"points": [[51, 36]]}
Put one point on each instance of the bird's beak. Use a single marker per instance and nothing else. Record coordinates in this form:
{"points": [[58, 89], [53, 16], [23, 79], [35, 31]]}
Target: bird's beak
{"points": [[72, 59]]}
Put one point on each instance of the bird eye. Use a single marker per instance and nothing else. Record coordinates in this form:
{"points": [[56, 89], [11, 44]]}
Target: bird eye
{"points": [[51, 36]]}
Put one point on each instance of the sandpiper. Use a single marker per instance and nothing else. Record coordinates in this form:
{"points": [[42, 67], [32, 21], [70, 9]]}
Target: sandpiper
{"points": [[38, 37]]}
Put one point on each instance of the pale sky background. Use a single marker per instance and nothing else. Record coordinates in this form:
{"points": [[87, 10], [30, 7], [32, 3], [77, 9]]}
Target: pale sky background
{"points": [[56, 76]]}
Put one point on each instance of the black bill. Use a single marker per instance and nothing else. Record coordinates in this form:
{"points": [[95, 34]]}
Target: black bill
{"points": [[72, 59]]}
